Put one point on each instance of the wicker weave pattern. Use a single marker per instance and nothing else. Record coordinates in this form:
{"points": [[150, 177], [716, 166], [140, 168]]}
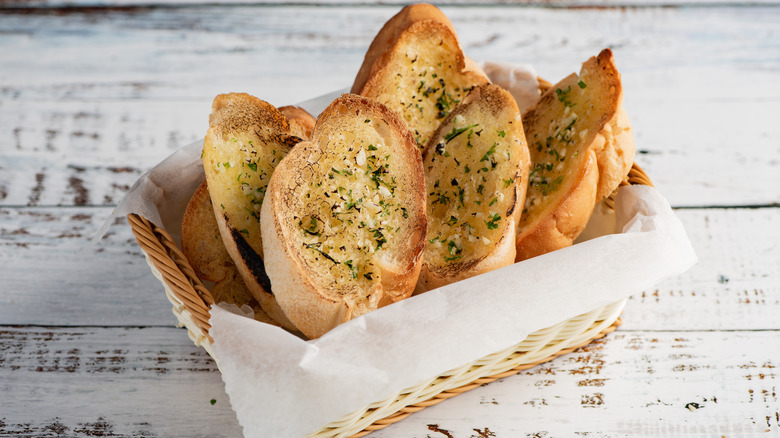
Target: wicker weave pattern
{"points": [[191, 301]]}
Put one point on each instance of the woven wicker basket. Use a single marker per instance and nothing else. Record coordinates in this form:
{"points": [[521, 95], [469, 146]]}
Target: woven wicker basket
{"points": [[191, 301]]}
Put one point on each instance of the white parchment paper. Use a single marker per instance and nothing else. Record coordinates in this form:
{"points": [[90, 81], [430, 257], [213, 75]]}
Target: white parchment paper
{"points": [[282, 386]]}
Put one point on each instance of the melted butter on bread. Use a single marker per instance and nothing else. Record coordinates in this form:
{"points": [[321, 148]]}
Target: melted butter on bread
{"points": [[476, 167]]}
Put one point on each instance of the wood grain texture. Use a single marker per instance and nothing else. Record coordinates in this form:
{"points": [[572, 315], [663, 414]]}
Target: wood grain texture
{"points": [[73, 4], [133, 85], [734, 285], [81, 382], [631, 383], [52, 274]]}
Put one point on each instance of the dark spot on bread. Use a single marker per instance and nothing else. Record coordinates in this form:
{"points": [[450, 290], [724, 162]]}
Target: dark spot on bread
{"points": [[253, 260]]}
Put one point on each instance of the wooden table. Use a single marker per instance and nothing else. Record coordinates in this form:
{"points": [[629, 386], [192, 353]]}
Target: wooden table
{"points": [[94, 93]]}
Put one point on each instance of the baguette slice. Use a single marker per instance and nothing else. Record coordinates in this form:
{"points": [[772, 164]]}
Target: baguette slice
{"points": [[344, 217], [201, 242], [416, 67], [202, 245], [301, 122], [476, 168], [581, 148], [247, 138]]}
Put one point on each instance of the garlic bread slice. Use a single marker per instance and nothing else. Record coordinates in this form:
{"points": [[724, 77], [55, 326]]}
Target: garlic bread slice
{"points": [[201, 242], [343, 220], [246, 140], [416, 67], [301, 122], [581, 148], [476, 168]]}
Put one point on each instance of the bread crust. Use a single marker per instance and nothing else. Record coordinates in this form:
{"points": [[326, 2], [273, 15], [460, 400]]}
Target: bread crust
{"points": [[201, 242], [562, 224], [607, 152], [314, 298], [387, 36], [301, 122]]}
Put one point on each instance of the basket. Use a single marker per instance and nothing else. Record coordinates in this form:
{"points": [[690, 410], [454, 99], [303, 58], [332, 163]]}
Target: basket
{"points": [[191, 301]]}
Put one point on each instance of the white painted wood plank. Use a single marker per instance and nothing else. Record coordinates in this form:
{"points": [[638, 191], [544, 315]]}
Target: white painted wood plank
{"points": [[734, 285], [699, 85], [52, 274], [109, 382], [152, 382], [44, 4], [631, 384]]}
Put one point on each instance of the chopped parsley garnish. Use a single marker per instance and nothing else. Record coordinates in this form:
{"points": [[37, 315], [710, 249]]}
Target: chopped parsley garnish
{"points": [[455, 252], [252, 166], [563, 96], [490, 152], [492, 224], [444, 104], [379, 237], [456, 132], [582, 84], [547, 187], [352, 269], [341, 172]]}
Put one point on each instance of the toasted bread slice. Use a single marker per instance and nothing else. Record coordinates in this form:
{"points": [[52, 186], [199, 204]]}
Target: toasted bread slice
{"points": [[301, 122], [476, 169], [344, 221], [247, 138], [416, 67], [581, 148], [201, 242]]}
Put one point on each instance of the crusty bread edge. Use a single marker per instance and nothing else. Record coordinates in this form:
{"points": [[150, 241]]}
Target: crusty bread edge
{"points": [[378, 52], [502, 255], [255, 276], [564, 222], [189, 247], [387, 36]]}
